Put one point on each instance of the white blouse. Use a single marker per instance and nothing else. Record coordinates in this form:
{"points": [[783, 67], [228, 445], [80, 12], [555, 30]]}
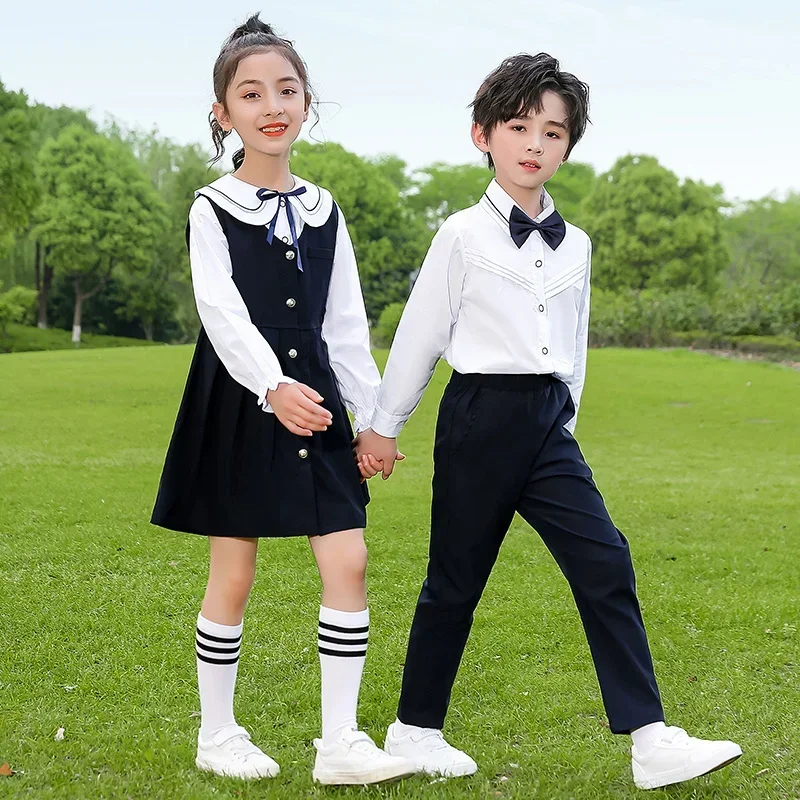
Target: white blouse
{"points": [[242, 349]]}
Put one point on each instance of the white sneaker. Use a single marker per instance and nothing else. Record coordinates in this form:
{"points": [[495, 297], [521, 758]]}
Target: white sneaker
{"points": [[427, 749], [231, 753], [355, 759], [677, 757]]}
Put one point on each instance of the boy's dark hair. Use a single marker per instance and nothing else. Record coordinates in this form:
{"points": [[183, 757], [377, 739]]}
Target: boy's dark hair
{"points": [[254, 36], [516, 87]]}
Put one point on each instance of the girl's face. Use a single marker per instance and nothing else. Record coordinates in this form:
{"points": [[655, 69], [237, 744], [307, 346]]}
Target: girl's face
{"points": [[265, 104]]}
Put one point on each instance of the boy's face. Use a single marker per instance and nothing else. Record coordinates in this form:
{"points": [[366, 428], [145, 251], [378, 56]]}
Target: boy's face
{"points": [[527, 151]]}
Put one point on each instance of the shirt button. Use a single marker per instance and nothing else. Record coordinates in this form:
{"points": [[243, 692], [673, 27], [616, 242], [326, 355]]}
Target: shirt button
{"points": [[541, 308], [539, 263], [285, 239], [293, 353], [545, 350], [303, 453], [291, 302], [290, 255]]}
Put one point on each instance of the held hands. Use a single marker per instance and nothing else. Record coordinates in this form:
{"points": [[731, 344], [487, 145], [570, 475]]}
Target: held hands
{"points": [[297, 408], [375, 453]]}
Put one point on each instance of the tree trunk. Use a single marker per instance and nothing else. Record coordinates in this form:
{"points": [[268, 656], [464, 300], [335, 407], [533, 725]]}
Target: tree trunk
{"points": [[147, 327], [44, 280], [76, 320]]}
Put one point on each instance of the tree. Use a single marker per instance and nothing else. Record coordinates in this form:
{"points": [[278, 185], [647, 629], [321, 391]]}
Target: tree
{"points": [[764, 237], [569, 187], [19, 191], [649, 230], [388, 239], [162, 295], [443, 189], [101, 215]]}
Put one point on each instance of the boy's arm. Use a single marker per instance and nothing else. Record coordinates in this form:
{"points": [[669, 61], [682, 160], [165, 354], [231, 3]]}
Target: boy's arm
{"points": [[575, 383], [346, 332], [423, 333]]}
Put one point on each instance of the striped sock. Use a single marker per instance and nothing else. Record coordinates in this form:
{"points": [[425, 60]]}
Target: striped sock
{"points": [[218, 647], [342, 638]]}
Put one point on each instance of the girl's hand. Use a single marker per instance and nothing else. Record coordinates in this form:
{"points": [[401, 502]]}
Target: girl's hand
{"points": [[376, 453], [297, 408]]}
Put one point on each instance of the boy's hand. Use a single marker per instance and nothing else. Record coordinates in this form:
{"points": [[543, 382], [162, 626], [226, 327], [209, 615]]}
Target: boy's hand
{"points": [[375, 453], [297, 408]]}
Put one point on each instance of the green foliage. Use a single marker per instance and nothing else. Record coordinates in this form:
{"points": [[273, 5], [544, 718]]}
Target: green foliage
{"points": [[443, 189], [651, 231], [569, 187], [764, 239], [388, 321], [101, 216], [388, 239], [26, 338], [18, 304], [19, 191], [652, 317]]}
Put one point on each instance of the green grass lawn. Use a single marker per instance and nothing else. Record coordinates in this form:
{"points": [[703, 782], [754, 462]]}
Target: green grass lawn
{"points": [[698, 460], [25, 338]]}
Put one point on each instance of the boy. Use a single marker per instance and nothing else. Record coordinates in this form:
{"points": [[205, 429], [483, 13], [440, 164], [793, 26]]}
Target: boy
{"points": [[503, 296]]}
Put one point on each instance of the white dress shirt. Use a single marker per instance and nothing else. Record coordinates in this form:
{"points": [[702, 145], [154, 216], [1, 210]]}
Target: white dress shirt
{"points": [[487, 306], [245, 353]]}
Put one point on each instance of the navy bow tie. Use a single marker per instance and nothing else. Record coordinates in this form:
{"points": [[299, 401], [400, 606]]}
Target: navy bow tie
{"points": [[553, 228], [283, 200]]}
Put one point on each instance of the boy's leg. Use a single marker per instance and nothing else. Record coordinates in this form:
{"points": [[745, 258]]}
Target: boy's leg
{"points": [[478, 474], [565, 507], [562, 502]]}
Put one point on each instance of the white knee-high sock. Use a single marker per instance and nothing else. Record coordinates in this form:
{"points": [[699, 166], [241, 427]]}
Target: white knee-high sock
{"points": [[342, 652], [218, 648]]}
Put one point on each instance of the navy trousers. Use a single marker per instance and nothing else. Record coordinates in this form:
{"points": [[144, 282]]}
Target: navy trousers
{"points": [[501, 447]]}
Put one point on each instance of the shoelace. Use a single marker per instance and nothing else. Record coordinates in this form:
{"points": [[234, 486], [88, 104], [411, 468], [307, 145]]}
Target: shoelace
{"points": [[241, 747], [432, 733], [362, 743], [674, 735]]}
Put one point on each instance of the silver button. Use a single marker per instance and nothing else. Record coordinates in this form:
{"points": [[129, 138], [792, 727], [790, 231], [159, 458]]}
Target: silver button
{"points": [[545, 350], [290, 255], [539, 263], [291, 302], [303, 453], [285, 239], [541, 308], [293, 353], [283, 202]]}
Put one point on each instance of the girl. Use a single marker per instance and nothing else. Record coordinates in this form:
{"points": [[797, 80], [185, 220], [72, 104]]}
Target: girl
{"points": [[262, 446]]}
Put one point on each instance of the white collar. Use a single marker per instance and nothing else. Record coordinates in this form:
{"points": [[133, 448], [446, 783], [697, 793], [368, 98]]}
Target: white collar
{"points": [[240, 200], [498, 202]]}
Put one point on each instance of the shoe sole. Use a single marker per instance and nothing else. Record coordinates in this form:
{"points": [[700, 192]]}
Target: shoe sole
{"points": [[207, 766], [660, 782], [457, 772], [385, 775], [435, 772]]}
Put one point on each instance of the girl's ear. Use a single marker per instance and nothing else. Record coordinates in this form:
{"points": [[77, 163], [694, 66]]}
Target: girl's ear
{"points": [[218, 110]]}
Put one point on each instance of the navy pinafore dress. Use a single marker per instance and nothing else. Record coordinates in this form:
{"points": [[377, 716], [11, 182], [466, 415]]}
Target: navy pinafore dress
{"points": [[233, 469]]}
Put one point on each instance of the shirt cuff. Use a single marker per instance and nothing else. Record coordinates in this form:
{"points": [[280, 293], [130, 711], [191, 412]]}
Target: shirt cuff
{"points": [[386, 424], [262, 395]]}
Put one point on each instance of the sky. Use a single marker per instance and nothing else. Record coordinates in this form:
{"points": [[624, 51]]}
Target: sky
{"points": [[710, 87]]}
